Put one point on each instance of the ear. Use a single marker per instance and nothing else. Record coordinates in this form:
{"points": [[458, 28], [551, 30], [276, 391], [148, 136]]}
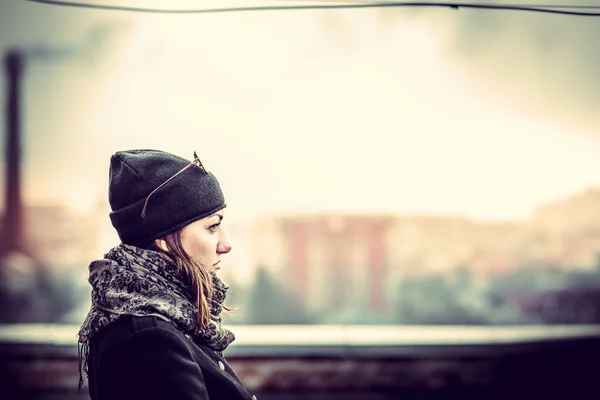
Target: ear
{"points": [[162, 244]]}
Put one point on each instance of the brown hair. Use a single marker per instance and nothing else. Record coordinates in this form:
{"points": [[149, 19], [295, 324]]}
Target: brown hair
{"points": [[197, 275]]}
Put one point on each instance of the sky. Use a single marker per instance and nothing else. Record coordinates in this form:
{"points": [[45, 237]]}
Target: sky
{"points": [[432, 111]]}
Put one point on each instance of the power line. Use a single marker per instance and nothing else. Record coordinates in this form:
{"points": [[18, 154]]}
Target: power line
{"points": [[534, 5], [551, 9]]}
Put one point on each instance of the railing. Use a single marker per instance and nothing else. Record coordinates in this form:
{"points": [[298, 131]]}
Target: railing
{"points": [[348, 362]]}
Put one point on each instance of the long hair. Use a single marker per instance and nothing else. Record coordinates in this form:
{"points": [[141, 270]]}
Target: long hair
{"points": [[197, 275]]}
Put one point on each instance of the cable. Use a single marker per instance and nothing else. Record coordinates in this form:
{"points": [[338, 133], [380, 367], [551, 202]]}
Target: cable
{"points": [[551, 9], [545, 6]]}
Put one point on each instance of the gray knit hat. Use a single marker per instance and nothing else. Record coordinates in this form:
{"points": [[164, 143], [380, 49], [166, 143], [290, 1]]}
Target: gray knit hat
{"points": [[178, 196]]}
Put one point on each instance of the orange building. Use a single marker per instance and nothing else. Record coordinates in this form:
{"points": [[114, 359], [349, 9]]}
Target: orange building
{"points": [[336, 260]]}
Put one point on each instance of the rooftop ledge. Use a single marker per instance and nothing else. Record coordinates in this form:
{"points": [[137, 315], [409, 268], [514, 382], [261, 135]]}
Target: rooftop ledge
{"points": [[338, 340], [341, 362]]}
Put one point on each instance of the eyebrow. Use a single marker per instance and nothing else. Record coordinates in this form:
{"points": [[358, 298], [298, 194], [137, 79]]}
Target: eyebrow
{"points": [[217, 215]]}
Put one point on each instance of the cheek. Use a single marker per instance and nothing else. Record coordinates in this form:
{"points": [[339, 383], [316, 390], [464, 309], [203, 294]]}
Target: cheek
{"points": [[197, 245]]}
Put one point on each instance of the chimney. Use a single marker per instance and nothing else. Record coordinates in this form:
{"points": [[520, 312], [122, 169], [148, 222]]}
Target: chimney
{"points": [[11, 235]]}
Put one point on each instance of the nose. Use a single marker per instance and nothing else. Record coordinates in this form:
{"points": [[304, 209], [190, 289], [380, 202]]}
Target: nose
{"points": [[224, 245]]}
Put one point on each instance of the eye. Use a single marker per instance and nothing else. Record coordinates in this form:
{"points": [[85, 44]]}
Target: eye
{"points": [[213, 228]]}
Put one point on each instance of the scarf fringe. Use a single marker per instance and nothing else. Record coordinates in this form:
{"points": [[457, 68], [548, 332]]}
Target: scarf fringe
{"points": [[82, 355]]}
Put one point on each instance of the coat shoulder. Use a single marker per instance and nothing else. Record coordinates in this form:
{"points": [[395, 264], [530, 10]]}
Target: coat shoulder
{"points": [[126, 327], [147, 357], [113, 340], [118, 356]]}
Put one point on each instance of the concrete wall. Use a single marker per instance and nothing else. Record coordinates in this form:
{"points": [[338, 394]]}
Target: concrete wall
{"points": [[379, 363]]}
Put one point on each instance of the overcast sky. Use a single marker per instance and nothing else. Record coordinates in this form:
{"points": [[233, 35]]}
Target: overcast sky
{"points": [[479, 113]]}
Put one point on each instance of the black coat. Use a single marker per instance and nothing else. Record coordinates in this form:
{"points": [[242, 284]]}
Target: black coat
{"points": [[148, 358]]}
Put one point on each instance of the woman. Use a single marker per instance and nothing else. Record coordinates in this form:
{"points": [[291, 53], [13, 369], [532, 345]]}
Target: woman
{"points": [[154, 329]]}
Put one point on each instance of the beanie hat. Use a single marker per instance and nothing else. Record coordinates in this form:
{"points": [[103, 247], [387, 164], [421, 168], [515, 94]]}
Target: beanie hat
{"points": [[189, 195]]}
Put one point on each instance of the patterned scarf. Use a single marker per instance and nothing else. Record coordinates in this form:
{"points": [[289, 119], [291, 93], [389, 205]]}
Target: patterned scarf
{"points": [[134, 281]]}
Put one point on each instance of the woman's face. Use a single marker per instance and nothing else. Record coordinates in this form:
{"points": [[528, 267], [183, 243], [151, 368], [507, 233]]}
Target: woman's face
{"points": [[205, 240]]}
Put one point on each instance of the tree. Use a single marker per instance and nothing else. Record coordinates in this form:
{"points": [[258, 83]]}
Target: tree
{"points": [[434, 300], [270, 303]]}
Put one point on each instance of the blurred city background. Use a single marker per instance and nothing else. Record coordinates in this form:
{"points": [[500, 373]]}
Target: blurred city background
{"points": [[392, 166], [381, 166]]}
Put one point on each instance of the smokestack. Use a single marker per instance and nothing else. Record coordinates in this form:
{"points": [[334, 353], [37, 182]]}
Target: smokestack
{"points": [[12, 230]]}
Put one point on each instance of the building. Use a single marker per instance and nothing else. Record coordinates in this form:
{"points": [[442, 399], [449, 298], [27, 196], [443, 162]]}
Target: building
{"points": [[326, 260]]}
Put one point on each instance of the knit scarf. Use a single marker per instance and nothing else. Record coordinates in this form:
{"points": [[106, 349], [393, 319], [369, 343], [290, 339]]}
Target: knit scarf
{"points": [[139, 282]]}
